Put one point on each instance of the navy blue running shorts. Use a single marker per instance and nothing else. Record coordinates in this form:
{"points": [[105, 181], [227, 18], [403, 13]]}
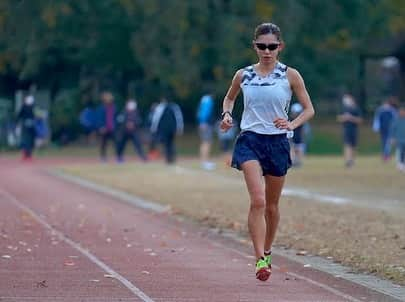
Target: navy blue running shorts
{"points": [[271, 151], [350, 137]]}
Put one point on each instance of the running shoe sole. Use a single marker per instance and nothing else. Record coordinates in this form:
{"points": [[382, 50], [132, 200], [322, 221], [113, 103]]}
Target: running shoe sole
{"points": [[263, 274]]}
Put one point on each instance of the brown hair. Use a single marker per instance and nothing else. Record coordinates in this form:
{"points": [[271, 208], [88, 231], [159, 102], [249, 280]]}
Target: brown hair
{"points": [[268, 28]]}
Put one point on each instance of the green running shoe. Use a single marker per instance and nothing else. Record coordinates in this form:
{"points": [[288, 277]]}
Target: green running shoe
{"points": [[263, 271], [267, 257]]}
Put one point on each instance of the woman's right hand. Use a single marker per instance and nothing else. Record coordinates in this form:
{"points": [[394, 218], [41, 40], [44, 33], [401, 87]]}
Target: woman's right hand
{"points": [[226, 122]]}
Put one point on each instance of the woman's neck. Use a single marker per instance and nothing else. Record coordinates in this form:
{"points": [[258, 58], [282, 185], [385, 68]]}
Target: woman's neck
{"points": [[266, 67]]}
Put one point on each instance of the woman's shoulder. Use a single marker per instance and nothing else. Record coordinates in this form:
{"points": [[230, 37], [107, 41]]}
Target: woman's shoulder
{"points": [[290, 70], [293, 74], [247, 72], [282, 67], [244, 70], [241, 73]]}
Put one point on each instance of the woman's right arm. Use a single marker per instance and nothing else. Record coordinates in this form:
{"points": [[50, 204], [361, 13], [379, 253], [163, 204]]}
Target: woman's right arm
{"points": [[229, 100]]}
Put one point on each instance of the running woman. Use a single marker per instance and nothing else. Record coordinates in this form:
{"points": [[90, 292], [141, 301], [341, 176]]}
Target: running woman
{"points": [[262, 150]]}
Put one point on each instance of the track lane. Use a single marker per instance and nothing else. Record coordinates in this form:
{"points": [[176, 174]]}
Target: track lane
{"points": [[168, 260]]}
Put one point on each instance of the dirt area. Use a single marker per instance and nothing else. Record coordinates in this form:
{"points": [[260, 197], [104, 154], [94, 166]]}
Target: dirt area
{"points": [[367, 238]]}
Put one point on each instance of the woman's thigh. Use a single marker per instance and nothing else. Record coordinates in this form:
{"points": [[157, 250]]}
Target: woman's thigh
{"points": [[254, 180]]}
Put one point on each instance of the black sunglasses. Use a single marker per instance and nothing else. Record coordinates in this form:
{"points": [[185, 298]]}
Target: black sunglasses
{"points": [[263, 46]]}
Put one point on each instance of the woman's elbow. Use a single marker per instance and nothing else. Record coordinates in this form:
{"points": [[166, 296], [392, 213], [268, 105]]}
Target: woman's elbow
{"points": [[311, 112]]}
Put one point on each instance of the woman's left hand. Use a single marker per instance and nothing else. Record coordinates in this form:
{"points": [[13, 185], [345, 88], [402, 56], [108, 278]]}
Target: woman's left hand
{"points": [[282, 123]]}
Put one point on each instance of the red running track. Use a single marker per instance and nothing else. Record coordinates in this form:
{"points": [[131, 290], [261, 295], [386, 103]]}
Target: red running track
{"points": [[61, 242]]}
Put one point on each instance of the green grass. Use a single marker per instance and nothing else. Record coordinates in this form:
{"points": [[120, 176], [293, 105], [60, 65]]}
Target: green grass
{"points": [[327, 138]]}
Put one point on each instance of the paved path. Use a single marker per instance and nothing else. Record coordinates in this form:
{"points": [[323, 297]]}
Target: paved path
{"points": [[62, 242]]}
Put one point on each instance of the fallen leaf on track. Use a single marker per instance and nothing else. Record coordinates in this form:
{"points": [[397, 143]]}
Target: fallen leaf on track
{"points": [[69, 263], [302, 253], [42, 284]]}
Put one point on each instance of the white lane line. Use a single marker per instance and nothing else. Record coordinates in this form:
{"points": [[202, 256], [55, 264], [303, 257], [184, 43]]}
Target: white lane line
{"points": [[131, 199], [310, 195], [135, 290], [287, 191], [313, 282]]}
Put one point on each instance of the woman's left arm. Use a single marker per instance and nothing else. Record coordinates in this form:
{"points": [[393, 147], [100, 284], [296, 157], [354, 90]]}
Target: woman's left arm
{"points": [[300, 91]]}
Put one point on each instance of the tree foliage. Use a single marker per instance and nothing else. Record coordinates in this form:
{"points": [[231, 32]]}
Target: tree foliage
{"points": [[186, 47]]}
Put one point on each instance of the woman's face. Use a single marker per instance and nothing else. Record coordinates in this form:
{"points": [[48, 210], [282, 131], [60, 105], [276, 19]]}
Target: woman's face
{"points": [[267, 48]]}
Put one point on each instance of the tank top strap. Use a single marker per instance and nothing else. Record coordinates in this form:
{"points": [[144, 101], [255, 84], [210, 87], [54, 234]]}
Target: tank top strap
{"points": [[280, 71], [248, 74]]}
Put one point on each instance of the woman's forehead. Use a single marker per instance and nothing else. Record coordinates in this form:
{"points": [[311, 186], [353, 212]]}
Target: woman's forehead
{"points": [[267, 38]]}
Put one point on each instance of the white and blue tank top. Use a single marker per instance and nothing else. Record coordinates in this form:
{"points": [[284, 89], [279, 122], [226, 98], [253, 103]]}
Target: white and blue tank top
{"points": [[265, 99]]}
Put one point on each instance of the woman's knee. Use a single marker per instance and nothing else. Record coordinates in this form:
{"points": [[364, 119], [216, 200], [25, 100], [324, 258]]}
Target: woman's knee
{"points": [[257, 203], [272, 209]]}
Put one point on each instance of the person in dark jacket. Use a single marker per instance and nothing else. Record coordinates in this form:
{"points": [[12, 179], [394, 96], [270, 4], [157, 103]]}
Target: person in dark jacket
{"points": [[130, 122], [350, 119], [167, 121], [26, 119]]}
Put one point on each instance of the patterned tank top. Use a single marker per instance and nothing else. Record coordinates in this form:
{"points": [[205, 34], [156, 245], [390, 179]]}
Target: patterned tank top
{"points": [[265, 99]]}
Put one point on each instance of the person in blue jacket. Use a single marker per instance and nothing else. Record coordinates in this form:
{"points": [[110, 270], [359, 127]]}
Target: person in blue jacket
{"points": [[398, 137], [106, 121], [383, 119], [205, 129]]}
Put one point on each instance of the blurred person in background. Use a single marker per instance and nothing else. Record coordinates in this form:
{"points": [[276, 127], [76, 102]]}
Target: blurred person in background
{"points": [[26, 120], [205, 113], [350, 119], [262, 150], [153, 152], [298, 140], [41, 128], [88, 120], [106, 113], [226, 140], [383, 118], [398, 136], [167, 122], [129, 129]]}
